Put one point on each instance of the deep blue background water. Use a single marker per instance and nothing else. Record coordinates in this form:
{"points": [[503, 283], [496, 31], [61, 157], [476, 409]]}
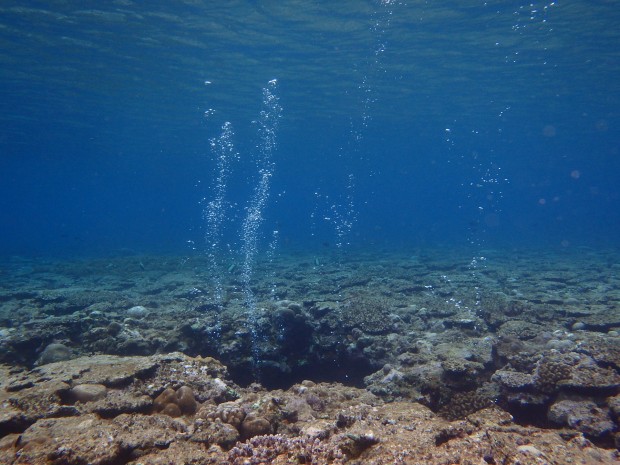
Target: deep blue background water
{"points": [[461, 123]]}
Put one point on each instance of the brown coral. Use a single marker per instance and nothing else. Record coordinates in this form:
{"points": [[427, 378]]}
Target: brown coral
{"points": [[176, 403]]}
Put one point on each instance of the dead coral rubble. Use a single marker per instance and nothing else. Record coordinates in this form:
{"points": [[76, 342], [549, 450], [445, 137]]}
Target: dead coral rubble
{"points": [[111, 410]]}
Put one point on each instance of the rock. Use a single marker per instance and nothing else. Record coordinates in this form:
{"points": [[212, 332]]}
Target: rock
{"points": [[587, 376], [254, 426], [356, 444], [137, 312], [88, 392], [9, 441], [529, 450], [583, 415], [114, 328], [54, 440], [54, 352], [215, 432], [614, 405], [578, 325]]}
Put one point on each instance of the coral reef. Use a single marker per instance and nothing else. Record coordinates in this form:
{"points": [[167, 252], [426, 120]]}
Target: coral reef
{"points": [[533, 344], [308, 423]]}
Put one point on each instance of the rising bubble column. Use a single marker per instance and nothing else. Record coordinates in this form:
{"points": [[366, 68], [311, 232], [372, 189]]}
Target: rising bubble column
{"points": [[214, 212], [267, 131]]}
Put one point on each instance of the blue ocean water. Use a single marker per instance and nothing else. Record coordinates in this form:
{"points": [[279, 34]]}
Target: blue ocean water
{"points": [[403, 124]]}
